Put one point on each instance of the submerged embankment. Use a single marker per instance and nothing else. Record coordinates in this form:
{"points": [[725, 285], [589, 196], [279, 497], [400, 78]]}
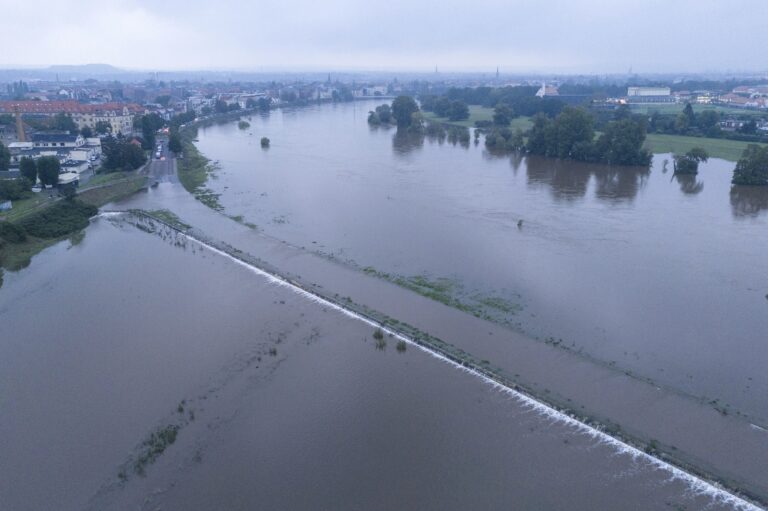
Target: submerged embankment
{"points": [[700, 466], [245, 392]]}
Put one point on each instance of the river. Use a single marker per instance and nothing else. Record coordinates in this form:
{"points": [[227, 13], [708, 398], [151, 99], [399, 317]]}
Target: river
{"points": [[285, 402], [661, 275]]}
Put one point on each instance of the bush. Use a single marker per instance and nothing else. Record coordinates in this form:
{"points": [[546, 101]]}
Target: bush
{"points": [[14, 189], [12, 233], [401, 346], [62, 218], [378, 334], [264, 142]]}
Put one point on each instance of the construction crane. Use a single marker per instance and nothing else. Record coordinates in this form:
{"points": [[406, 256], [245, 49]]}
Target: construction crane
{"points": [[19, 125]]}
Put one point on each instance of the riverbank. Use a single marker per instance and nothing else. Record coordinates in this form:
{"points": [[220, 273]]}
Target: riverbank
{"points": [[50, 221], [194, 169]]}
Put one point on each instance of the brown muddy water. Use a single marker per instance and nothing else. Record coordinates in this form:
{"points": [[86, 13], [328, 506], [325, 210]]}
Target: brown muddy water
{"points": [[656, 274], [277, 401]]}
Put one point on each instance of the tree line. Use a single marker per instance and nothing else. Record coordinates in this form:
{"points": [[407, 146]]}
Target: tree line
{"points": [[703, 124]]}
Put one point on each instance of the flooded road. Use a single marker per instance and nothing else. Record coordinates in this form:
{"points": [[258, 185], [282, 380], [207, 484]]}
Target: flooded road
{"points": [[277, 401], [658, 275]]}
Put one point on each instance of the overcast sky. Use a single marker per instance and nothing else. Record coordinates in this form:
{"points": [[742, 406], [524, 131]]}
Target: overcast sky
{"points": [[590, 36]]}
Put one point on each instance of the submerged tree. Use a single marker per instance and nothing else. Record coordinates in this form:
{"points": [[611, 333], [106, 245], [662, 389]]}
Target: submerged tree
{"points": [[622, 143], [403, 108], [688, 163], [752, 168]]}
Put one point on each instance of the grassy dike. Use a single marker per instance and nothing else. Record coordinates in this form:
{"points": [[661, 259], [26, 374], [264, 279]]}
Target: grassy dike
{"points": [[194, 168]]}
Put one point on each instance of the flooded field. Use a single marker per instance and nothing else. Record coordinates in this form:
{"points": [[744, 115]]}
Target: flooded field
{"points": [[658, 275], [140, 370]]}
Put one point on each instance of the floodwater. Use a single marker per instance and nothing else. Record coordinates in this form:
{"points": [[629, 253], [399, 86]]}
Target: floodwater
{"points": [[279, 402], [659, 275]]}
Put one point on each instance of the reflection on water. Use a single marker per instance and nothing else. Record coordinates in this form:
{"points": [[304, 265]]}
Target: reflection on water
{"points": [[689, 184], [404, 143], [570, 180], [749, 201]]}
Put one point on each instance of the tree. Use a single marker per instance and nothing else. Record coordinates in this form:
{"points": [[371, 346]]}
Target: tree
{"points": [[28, 169], [63, 122], [5, 157], [403, 108], [174, 143], [86, 132], [373, 118], [134, 156], [622, 112], [516, 142], [13, 189], [573, 133], [264, 104], [163, 100], [150, 123], [709, 123], [748, 128], [622, 143], [458, 111], [441, 106], [689, 113], [48, 168], [103, 128], [221, 106], [688, 163], [384, 113], [120, 154], [682, 123], [503, 114], [539, 134], [571, 136], [752, 168]]}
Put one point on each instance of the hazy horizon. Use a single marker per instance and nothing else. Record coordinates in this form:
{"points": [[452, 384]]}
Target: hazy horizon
{"points": [[580, 37]]}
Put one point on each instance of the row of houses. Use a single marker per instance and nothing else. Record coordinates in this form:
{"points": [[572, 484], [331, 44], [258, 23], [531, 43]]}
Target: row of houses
{"points": [[119, 116]]}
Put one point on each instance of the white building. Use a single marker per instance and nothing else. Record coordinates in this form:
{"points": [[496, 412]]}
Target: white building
{"points": [[648, 91]]}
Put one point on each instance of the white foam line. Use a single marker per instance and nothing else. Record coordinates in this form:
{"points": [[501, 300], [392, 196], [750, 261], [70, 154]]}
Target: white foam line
{"points": [[698, 486]]}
